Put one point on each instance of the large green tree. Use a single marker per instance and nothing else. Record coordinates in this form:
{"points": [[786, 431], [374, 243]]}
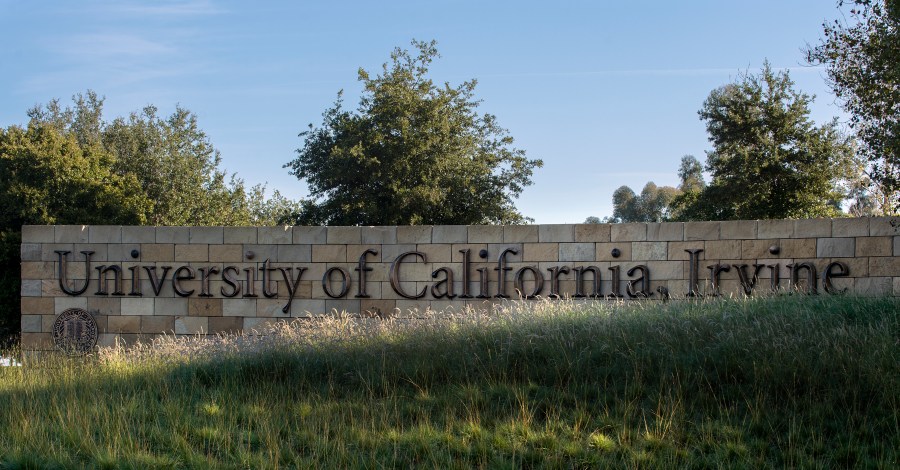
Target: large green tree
{"points": [[862, 58], [769, 160], [171, 157], [413, 152], [47, 177], [651, 205]]}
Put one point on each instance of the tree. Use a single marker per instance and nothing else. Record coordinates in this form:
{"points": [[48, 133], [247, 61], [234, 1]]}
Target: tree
{"points": [[49, 178], [172, 159], [769, 160], [652, 205], [412, 153], [690, 172], [862, 63]]}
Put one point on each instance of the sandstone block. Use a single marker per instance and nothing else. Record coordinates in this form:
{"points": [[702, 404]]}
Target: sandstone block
{"points": [[414, 234], [835, 247], [485, 234], [192, 253], [124, 324], [520, 234], [450, 234], [775, 228], [157, 252], [377, 307], [204, 307], [850, 227], [158, 324], [538, 252], [737, 229], [800, 248], [71, 234], [345, 235], [722, 249], [701, 231], [226, 325], [294, 253], [884, 266], [271, 308], [191, 325], [576, 252], [171, 306], [669, 231], [105, 234], [37, 306], [379, 235], [308, 307], [207, 235], [227, 253], [604, 251], [36, 341], [61, 304], [649, 251], [105, 306], [874, 246], [812, 228], [884, 226], [38, 234], [240, 235], [281, 235], [874, 286], [31, 323], [138, 234], [312, 235], [139, 306], [173, 235], [628, 232], [329, 253], [592, 233], [238, 307], [30, 252]]}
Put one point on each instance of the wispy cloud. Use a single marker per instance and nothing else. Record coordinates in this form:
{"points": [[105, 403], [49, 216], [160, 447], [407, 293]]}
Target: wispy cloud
{"points": [[104, 46], [168, 8], [649, 72]]}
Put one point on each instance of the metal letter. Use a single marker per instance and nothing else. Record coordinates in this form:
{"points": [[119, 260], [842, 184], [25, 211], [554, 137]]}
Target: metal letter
{"points": [[363, 269], [811, 278], [829, 273], [644, 291], [292, 285], [231, 280], [326, 282], [554, 279], [205, 273], [177, 277], [538, 281], [447, 281], [395, 274], [501, 272], [63, 281], [102, 279], [579, 281], [694, 282], [155, 281]]}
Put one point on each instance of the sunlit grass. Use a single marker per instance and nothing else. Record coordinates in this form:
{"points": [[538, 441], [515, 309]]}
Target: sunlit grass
{"points": [[783, 381]]}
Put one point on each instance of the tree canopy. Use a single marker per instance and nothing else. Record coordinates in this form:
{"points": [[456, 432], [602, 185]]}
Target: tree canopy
{"points": [[769, 160], [413, 152], [863, 63]]}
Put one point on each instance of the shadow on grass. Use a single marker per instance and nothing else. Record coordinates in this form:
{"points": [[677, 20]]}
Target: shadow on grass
{"points": [[782, 381]]}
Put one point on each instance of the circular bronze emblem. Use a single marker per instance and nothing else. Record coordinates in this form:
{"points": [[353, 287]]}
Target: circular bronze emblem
{"points": [[75, 332]]}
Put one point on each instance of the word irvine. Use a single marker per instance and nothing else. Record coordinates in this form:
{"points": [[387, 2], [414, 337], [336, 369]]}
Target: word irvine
{"points": [[337, 282]]}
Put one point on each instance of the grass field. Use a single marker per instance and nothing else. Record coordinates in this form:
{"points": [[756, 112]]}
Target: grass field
{"points": [[787, 381]]}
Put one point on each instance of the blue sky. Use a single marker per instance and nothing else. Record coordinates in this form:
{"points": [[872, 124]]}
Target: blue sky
{"points": [[606, 93]]}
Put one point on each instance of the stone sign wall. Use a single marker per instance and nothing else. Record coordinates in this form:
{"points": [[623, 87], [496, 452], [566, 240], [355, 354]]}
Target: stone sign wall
{"points": [[137, 281]]}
